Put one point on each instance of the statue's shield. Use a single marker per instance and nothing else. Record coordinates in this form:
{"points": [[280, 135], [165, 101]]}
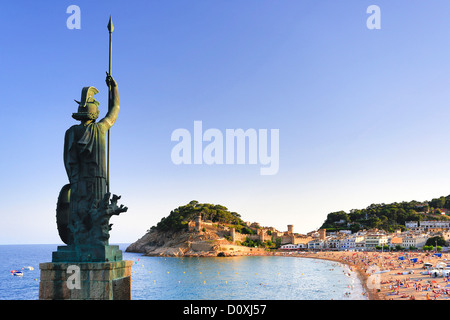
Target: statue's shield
{"points": [[63, 215]]}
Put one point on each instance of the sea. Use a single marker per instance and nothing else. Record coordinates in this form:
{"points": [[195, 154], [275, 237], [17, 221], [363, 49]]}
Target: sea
{"points": [[198, 278]]}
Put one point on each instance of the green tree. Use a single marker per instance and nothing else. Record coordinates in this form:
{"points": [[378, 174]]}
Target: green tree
{"points": [[374, 222], [246, 230], [179, 218], [277, 243], [388, 217], [438, 202], [436, 241]]}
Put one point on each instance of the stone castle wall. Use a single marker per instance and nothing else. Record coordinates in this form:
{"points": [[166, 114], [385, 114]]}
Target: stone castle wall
{"points": [[288, 237]]}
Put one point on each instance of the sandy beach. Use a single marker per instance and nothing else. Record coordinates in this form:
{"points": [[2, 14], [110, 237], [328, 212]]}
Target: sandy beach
{"points": [[392, 275]]}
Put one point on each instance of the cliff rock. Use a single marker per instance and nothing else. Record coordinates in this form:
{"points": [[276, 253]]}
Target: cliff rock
{"points": [[181, 243]]}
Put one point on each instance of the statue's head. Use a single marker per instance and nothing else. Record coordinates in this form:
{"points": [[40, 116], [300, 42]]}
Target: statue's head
{"points": [[88, 106]]}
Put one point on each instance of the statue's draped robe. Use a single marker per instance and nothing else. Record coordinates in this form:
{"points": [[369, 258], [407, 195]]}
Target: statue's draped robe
{"points": [[85, 163]]}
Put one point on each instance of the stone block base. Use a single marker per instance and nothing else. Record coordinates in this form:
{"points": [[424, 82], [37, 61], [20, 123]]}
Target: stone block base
{"points": [[87, 253], [85, 281]]}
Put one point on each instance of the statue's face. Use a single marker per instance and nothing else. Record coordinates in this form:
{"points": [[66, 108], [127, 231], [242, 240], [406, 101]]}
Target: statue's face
{"points": [[91, 109]]}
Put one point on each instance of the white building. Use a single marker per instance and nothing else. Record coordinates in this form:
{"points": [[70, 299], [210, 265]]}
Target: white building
{"points": [[348, 244], [416, 241], [411, 224], [316, 244], [333, 243], [434, 224], [351, 243], [291, 246], [420, 226], [375, 239]]}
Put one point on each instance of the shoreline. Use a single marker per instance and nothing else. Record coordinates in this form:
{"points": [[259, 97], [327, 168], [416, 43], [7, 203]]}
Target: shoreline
{"points": [[383, 275], [362, 276], [398, 278]]}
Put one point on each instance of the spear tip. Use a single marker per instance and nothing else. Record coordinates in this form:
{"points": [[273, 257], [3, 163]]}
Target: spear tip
{"points": [[110, 25]]}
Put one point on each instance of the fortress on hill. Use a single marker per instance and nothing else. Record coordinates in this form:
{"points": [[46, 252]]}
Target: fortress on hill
{"points": [[262, 233], [219, 238]]}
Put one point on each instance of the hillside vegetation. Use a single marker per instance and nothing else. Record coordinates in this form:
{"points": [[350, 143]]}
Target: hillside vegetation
{"points": [[179, 218], [388, 217]]}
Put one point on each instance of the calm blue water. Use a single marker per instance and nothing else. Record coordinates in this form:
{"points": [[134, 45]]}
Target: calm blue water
{"points": [[237, 278]]}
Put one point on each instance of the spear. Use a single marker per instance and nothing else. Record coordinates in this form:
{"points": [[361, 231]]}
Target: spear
{"points": [[110, 29]]}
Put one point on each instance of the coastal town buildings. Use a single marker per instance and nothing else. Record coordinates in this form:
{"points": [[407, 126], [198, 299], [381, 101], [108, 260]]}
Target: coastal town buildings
{"points": [[375, 239], [427, 225], [394, 241], [316, 244], [352, 242], [415, 236], [414, 241]]}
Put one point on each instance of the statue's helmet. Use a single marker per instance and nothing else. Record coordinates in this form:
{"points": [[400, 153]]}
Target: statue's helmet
{"points": [[88, 106]]}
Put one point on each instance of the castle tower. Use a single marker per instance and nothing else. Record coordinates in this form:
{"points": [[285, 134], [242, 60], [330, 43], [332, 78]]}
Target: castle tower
{"points": [[322, 234], [198, 223], [290, 229], [233, 234], [261, 235]]}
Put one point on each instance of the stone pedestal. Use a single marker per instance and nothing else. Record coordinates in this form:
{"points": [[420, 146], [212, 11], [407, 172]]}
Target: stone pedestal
{"points": [[85, 280], [87, 253]]}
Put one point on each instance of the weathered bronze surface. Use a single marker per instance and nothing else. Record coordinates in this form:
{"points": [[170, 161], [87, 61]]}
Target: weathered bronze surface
{"points": [[63, 214], [85, 206], [90, 205], [110, 30]]}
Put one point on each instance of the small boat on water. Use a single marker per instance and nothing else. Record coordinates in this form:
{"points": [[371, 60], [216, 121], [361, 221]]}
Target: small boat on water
{"points": [[28, 268], [18, 274]]}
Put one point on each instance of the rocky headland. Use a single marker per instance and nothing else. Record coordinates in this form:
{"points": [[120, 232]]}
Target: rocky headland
{"points": [[203, 230], [181, 243]]}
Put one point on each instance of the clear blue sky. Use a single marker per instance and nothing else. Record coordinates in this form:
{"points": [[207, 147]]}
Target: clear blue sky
{"points": [[362, 114]]}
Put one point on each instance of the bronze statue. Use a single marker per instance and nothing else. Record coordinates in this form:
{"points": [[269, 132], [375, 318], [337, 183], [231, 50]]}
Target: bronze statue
{"points": [[85, 163], [84, 206], [85, 147]]}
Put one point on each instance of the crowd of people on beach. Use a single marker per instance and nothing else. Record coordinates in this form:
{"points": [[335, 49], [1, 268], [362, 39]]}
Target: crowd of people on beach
{"points": [[394, 275]]}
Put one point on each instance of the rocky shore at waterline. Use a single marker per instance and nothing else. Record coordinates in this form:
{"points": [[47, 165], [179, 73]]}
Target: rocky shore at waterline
{"points": [[189, 244]]}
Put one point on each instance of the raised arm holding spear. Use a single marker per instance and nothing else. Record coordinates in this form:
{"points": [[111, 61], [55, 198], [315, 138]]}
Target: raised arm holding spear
{"points": [[110, 29]]}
